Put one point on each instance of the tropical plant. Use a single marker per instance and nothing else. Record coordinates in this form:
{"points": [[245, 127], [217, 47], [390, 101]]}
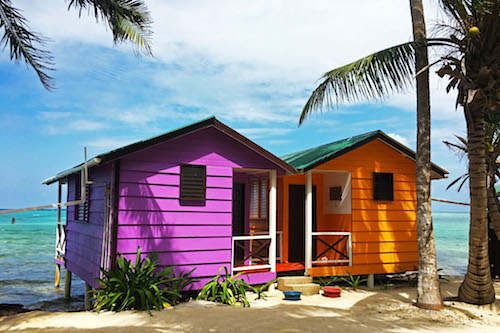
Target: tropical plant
{"points": [[326, 281], [178, 284], [354, 281], [261, 289], [385, 72], [492, 152], [135, 285], [225, 289], [129, 20], [469, 46]]}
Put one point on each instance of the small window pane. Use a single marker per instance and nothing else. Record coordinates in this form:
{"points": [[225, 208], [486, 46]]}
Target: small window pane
{"points": [[336, 193]]}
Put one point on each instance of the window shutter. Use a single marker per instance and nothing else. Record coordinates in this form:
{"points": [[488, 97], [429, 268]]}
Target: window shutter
{"points": [[254, 198], [383, 186], [193, 182], [263, 198]]}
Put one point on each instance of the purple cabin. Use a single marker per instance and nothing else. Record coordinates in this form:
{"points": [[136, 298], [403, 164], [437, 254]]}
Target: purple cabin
{"points": [[202, 196]]}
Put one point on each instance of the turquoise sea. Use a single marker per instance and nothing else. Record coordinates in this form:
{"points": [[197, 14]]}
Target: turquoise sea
{"points": [[27, 268]]}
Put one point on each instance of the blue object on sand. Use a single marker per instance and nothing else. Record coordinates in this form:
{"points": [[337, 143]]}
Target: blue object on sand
{"points": [[292, 295]]}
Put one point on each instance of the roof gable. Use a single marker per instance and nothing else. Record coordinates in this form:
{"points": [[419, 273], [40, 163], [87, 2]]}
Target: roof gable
{"points": [[310, 158], [143, 144]]}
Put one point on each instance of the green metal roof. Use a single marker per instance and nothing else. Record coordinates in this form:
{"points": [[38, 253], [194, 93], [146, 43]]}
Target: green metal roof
{"points": [[308, 159]]}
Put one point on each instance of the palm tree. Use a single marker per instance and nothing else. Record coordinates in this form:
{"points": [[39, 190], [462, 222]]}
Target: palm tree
{"points": [[492, 152], [129, 20], [470, 58], [379, 75]]}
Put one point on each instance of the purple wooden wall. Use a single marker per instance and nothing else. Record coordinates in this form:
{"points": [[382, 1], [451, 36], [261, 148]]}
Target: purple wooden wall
{"points": [[187, 235], [84, 240]]}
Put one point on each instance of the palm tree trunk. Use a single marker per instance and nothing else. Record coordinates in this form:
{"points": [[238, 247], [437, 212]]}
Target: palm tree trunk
{"points": [[428, 291], [477, 287]]}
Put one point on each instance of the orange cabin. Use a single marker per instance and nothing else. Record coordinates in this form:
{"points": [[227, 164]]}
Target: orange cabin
{"points": [[351, 208]]}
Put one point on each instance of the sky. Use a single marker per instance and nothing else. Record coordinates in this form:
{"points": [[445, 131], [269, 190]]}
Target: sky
{"points": [[252, 64]]}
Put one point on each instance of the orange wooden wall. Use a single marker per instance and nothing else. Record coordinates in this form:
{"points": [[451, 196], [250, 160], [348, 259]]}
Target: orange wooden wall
{"points": [[384, 232]]}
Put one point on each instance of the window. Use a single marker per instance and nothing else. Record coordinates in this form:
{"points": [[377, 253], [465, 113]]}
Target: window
{"points": [[258, 198], [383, 186], [193, 182], [82, 210], [336, 193]]}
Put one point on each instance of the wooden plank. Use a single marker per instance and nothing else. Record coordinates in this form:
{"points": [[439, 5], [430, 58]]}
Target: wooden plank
{"points": [[373, 215], [189, 257], [384, 247], [383, 226], [398, 195], [167, 179], [161, 167], [362, 173], [384, 258], [173, 205], [364, 204], [172, 192], [384, 236], [202, 269], [172, 231], [174, 244], [362, 269], [168, 218], [92, 230], [367, 184]]}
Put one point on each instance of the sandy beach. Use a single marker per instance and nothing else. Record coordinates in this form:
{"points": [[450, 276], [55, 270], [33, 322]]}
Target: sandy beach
{"points": [[356, 311]]}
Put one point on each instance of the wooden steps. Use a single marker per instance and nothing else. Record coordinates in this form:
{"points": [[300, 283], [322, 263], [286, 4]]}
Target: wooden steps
{"points": [[303, 284]]}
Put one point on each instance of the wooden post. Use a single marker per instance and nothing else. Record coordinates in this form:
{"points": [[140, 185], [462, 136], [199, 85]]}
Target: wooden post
{"points": [[67, 284], [58, 275], [88, 297], [309, 221], [272, 219], [371, 281]]}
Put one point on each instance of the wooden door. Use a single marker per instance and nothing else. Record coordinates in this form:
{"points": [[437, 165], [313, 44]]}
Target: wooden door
{"points": [[296, 222], [238, 217]]}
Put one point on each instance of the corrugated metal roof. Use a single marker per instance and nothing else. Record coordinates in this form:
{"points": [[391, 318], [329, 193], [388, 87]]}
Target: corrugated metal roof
{"points": [[306, 158], [310, 158]]}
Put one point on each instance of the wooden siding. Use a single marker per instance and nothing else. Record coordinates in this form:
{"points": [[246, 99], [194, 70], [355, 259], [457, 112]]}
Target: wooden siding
{"points": [[185, 234], [384, 232], [84, 239]]}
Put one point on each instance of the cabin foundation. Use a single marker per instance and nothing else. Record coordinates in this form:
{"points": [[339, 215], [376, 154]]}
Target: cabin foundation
{"points": [[67, 284], [88, 297]]}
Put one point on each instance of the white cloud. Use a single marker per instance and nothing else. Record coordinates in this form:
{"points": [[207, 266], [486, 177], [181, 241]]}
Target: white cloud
{"points": [[262, 132], [400, 139], [109, 143]]}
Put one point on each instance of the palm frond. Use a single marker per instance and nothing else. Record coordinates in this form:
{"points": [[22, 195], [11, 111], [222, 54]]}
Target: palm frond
{"points": [[23, 43], [372, 77], [129, 20]]}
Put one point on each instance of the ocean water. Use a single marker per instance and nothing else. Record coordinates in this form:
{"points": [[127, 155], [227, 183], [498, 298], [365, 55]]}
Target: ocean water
{"points": [[27, 268]]}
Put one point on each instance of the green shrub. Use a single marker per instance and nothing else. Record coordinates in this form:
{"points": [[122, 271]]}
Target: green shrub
{"points": [[177, 284], [225, 289], [261, 289], [326, 281], [354, 281], [137, 285]]}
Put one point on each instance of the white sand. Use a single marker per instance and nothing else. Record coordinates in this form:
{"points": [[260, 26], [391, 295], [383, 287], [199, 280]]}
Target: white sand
{"points": [[355, 311]]}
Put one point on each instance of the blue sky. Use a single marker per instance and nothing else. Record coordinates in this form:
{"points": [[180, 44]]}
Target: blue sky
{"points": [[251, 64]]}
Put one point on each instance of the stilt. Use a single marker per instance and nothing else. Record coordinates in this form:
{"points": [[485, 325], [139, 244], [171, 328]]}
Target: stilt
{"points": [[371, 281], [88, 297], [67, 284], [58, 275]]}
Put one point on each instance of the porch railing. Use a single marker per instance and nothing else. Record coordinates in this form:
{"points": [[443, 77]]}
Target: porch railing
{"points": [[345, 253], [255, 251]]}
